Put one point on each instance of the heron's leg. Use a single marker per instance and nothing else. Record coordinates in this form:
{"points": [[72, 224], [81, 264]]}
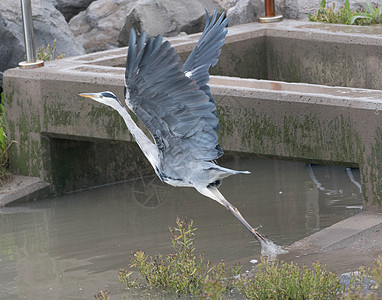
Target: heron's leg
{"points": [[213, 193], [259, 236]]}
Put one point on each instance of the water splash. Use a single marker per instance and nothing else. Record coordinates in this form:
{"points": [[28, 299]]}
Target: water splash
{"points": [[270, 250]]}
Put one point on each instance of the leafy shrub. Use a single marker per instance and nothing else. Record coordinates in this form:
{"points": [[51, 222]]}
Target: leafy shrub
{"points": [[279, 280], [184, 273]]}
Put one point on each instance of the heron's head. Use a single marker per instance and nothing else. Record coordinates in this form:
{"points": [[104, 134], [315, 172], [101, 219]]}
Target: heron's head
{"points": [[107, 98]]}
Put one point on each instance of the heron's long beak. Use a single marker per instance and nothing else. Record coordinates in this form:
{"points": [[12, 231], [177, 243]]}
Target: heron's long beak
{"points": [[88, 95]]}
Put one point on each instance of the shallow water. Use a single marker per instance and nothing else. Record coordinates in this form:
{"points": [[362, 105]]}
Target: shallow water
{"points": [[71, 247]]}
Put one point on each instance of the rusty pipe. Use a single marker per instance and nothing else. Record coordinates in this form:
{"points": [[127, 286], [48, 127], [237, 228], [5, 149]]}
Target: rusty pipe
{"points": [[269, 8], [270, 15]]}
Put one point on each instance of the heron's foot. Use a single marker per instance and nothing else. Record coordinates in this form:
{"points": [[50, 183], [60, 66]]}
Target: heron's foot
{"points": [[258, 227], [261, 238], [270, 250]]}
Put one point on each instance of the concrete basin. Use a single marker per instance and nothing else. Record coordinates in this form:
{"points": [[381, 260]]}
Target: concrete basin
{"points": [[294, 90]]}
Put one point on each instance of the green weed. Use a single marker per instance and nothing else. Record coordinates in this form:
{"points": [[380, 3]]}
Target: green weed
{"points": [[182, 272], [4, 146], [49, 53], [3, 136], [371, 15], [377, 272], [279, 280], [102, 295]]}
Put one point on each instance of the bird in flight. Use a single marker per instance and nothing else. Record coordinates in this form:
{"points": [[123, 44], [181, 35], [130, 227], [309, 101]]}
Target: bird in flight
{"points": [[174, 102]]}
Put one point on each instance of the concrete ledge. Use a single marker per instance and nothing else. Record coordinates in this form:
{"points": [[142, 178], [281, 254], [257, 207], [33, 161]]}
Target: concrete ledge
{"points": [[23, 188], [343, 246], [341, 234]]}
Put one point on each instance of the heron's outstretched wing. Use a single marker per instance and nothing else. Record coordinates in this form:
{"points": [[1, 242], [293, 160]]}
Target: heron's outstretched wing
{"points": [[172, 106], [206, 52]]}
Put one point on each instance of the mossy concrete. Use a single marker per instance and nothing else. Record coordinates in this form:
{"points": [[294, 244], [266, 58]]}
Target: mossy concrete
{"points": [[74, 142], [321, 124]]}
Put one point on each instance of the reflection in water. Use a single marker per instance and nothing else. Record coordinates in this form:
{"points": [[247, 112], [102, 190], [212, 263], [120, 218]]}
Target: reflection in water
{"points": [[351, 177], [320, 186], [71, 247]]}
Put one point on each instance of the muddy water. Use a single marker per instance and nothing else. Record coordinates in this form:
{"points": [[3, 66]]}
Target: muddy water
{"points": [[72, 246]]}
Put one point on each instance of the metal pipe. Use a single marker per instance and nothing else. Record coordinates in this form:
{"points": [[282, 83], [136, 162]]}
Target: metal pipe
{"points": [[270, 8], [270, 15], [30, 48]]}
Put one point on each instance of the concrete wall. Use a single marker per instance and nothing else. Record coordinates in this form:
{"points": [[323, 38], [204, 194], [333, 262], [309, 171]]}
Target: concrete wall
{"points": [[335, 55], [74, 142]]}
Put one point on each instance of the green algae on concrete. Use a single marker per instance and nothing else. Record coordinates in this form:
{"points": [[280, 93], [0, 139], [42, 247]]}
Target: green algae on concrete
{"points": [[113, 124], [375, 164], [303, 137]]}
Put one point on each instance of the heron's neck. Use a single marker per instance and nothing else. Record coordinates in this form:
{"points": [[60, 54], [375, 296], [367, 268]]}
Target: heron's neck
{"points": [[148, 148]]}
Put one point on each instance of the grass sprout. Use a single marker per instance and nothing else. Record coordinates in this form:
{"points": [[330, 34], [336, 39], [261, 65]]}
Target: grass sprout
{"points": [[369, 16]]}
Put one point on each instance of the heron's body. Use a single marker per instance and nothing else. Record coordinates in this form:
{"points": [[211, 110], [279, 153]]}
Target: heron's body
{"points": [[175, 104]]}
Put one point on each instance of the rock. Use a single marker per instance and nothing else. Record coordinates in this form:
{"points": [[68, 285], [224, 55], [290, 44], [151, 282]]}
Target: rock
{"points": [[49, 24], [163, 17], [70, 8], [97, 28], [367, 284], [245, 11], [288, 8], [227, 4]]}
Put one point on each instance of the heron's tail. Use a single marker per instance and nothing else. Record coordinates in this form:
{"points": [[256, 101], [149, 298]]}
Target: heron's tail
{"points": [[222, 172], [213, 193]]}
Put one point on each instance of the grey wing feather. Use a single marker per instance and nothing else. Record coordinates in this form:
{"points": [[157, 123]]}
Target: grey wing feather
{"points": [[178, 114], [206, 52]]}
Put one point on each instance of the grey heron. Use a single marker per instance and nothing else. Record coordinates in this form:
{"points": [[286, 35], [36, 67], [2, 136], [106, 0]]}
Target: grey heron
{"points": [[174, 102]]}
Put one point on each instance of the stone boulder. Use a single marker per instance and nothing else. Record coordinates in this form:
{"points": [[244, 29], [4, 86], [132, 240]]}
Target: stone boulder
{"points": [[70, 8], [245, 11], [163, 17], [49, 24], [97, 28], [227, 4]]}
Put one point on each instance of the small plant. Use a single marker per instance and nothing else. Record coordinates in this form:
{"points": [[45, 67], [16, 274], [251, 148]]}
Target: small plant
{"points": [[371, 15], [3, 136], [49, 53], [181, 272], [279, 280], [4, 146], [377, 272], [102, 295]]}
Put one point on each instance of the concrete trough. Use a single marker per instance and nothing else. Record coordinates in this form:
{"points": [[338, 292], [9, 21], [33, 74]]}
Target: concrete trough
{"points": [[307, 91]]}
